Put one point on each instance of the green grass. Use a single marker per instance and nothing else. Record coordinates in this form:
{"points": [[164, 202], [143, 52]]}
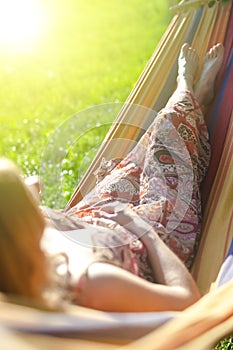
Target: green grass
{"points": [[225, 344], [91, 54]]}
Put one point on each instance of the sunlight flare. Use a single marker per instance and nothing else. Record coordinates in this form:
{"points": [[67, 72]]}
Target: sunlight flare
{"points": [[21, 23]]}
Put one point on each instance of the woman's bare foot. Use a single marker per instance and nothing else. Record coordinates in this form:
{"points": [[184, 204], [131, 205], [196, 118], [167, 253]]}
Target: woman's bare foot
{"points": [[204, 89], [187, 67]]}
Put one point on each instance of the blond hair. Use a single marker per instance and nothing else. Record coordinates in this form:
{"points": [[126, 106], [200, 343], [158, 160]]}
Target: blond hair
{"points": [[22, 262]]}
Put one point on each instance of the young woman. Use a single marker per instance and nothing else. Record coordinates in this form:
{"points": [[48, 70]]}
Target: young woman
{"points": [[143, 216]]}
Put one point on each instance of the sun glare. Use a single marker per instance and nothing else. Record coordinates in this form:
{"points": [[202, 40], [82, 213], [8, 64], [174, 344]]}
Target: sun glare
{"points": [[22, 22]]}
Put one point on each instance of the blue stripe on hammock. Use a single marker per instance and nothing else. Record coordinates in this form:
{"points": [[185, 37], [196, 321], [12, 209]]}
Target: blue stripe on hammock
{"points": [[194, 25], [220, 95], [226, 273], [230, 252]]}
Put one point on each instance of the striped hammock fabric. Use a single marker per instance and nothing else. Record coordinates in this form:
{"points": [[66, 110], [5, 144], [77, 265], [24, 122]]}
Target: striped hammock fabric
{"points": [[201, 26], [218, 187], [200, 327]]}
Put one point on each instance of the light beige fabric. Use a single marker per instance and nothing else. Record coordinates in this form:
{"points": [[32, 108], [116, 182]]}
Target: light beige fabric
{"points": [[212, 315]]}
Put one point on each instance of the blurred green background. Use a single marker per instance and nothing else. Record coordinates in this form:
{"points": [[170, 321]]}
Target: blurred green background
{"points": [[85, 53]]}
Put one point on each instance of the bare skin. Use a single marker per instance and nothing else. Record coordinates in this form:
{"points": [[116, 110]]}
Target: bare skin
{"points": [[204, 89], [187, 68]]}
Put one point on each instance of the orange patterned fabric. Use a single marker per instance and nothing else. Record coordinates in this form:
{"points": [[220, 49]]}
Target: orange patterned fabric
{"points": [[160, 181]]}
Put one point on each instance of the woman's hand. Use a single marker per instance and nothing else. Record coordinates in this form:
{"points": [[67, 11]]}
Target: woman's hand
{"points": [[117, 211], [122, 214]]}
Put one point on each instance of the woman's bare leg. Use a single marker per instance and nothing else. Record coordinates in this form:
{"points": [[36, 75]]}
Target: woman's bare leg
{"points": [[204, 89], [187, 68], [188, 62]]}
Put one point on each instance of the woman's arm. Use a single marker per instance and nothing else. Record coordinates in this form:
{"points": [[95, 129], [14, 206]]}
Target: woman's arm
{"points": [[166, 266], [108, 287]]}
